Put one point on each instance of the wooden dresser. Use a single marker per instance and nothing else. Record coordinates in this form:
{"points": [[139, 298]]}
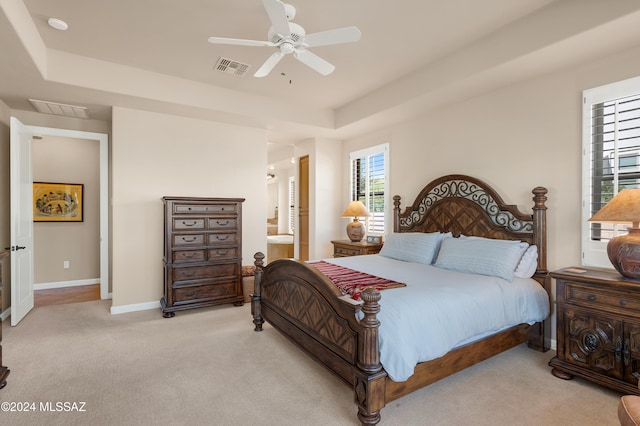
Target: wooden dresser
{"points": [[345, 248], [4, 371], [598, 328], [202, 253]]}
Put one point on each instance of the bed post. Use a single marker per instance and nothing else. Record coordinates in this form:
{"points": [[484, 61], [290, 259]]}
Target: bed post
{"points": [[396, 213], [540, 227], [369, 385], [538, 338], [256, 309]]}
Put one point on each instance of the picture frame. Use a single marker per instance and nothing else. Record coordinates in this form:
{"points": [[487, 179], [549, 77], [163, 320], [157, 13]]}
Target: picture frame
{"points": [[58, 202], [376, 239]]}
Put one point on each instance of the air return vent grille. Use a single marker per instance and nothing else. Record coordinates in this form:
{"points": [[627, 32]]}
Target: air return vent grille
{"points": [[229, 66], [55, 108]]}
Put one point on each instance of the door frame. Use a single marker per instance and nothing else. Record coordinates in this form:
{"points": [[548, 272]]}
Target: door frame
{"points": [[103, 140]]}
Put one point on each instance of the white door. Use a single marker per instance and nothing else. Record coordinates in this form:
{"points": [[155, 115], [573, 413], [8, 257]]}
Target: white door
{"points": [[21, 222]]}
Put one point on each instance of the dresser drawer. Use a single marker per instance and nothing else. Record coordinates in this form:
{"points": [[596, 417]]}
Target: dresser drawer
{"points": [[181, 224], [222, 239], [602, 298], [205, 271], [205, 292], [202, 208], [222, 223], [188, 256], [188, 239], [223, 253]]}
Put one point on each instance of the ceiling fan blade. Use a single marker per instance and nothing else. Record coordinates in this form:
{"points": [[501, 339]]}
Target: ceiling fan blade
{"points": [[314, 61], [269, 64], [239, 41], [278, 16], [337, 36]]}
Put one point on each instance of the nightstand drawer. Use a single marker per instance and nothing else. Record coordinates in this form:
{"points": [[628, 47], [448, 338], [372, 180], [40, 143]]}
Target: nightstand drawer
{"points": [[599, 298], [345, 251]]}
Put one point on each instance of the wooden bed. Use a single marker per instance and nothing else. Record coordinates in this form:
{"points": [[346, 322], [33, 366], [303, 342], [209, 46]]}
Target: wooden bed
{"points": [[306, 307]]}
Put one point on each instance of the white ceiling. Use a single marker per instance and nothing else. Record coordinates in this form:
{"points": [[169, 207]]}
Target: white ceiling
{"points": [[154, 54]]}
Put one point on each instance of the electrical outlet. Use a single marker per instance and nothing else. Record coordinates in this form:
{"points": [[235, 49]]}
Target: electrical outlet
{"points": [[66, 264]]}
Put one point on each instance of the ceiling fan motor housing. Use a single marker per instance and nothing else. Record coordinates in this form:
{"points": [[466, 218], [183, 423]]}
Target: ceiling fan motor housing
{"points": [[296, 36]]}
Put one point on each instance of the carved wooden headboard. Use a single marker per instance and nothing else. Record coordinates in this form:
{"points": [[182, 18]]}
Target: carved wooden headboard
{"points": [[465, 205]]}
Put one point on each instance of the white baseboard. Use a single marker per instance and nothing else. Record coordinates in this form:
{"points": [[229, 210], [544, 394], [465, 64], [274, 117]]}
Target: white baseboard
{"points": [[60, 284], [115, 310], [5, 314]]}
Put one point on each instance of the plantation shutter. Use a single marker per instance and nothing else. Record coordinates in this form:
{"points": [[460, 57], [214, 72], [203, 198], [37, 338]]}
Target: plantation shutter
{"points": [[368, 184]]}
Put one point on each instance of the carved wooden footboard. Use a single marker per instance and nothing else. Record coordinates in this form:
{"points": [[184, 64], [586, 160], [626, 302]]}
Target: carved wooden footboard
{"points": [[307, 307]]}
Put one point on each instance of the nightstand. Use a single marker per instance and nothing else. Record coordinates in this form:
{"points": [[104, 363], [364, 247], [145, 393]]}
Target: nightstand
{"points": [[598, 328], [345, 248]]}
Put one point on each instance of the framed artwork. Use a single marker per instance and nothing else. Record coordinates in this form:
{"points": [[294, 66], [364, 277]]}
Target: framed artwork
{"points": [[57, 202]]}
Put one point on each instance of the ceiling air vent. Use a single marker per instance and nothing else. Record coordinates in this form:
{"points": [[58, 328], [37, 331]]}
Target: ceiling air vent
{"points": [[55, 108], [229, 66]]}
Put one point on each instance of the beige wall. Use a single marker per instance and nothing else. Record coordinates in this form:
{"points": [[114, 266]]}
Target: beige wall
{"points": [[516, 138], [156, 155], [68, 160]]}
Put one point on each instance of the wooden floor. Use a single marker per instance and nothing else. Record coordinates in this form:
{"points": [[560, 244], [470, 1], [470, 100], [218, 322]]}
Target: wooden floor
{"points": [[60, 296]]}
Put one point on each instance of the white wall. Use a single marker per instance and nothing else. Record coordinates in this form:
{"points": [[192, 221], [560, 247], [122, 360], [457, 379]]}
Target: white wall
{"points": [[156, 155]]}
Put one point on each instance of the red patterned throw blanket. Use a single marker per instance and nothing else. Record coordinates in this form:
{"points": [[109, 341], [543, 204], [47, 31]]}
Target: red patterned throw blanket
{"points": [[353, 282]]}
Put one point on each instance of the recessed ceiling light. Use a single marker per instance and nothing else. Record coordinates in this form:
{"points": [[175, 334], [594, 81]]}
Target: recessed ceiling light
{"points": [[58, 24]]}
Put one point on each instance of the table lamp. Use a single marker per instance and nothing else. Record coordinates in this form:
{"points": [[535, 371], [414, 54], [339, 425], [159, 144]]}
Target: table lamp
{"points": [[623, 250], [355, 229]]}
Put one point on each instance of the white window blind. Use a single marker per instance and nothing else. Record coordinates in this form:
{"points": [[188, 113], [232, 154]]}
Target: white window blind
{"points": [[611, 149], [369, 183], [292, 205]]}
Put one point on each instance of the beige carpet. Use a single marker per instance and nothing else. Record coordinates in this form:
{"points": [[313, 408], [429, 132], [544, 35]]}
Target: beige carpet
{"points": [[208, 367]]}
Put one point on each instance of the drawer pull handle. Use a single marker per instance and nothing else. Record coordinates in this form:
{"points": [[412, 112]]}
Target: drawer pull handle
{"points": [[226, 222], [190, 294], [623, 303], [188, 240], [222, 253], [222, 237], [190, 255], [591, 298], [189, 274], [187, 224]]}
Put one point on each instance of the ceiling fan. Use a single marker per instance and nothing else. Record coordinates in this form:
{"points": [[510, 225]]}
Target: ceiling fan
{"points": [[288, 37]]}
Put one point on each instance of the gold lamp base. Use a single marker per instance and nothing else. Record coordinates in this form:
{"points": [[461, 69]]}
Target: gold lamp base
{"points": [[624, 253], [355, 230]]}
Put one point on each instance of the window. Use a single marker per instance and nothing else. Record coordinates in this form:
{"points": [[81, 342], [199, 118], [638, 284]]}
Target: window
{"points": [[292, 205], [369, 183], [611, 151]]}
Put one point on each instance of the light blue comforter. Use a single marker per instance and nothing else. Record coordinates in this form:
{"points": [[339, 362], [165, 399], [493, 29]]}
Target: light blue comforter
{"points": [[442, 309]]}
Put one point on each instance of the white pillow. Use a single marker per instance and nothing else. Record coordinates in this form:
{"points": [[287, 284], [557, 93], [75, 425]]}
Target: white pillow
{"points": [[528, 264], [483, 256], [412, 246]]}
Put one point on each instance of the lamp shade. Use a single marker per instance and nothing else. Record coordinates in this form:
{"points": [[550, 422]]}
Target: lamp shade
{"points": [[623, 250], [355, 229], [623, 208], [356, 209]]}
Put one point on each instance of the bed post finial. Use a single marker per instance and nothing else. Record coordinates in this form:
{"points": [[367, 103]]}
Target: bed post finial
{"points": [[256, 309], [396, 213], [540, 226]]}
